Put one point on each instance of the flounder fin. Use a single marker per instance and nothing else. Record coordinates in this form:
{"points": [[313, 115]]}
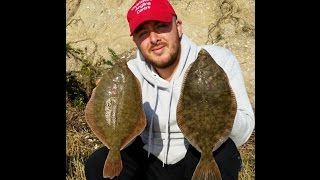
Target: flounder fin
{"points": [[91, 119], [89, 108], [207, 170], [112, 165]]}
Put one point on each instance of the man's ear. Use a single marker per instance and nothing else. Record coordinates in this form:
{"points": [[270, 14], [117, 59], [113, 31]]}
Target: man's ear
{"points": [[179, 27]]}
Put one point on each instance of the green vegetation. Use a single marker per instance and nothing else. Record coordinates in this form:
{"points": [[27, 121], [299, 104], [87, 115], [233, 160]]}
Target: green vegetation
{"points": [[79, 84]]}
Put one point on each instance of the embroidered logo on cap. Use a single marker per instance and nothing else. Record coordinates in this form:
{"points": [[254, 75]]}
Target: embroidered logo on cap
{"points": [[142, 6]]}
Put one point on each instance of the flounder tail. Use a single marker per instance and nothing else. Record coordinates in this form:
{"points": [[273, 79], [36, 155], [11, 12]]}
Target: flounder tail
{"points": [[207, 170], [112, 165]]}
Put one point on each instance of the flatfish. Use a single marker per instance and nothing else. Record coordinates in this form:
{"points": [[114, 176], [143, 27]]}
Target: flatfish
{"points": [[205, 112], [115, 113]]}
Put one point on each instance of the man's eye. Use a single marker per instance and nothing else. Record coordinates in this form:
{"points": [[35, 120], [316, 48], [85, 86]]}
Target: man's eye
{"points": [[162, 27], [142, 34]]}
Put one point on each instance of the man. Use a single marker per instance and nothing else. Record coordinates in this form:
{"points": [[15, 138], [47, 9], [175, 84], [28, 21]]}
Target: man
{"points": [[161, 152]]}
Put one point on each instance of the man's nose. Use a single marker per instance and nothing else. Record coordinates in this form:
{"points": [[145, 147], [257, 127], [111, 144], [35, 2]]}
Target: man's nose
{"points": [[154, 37]]}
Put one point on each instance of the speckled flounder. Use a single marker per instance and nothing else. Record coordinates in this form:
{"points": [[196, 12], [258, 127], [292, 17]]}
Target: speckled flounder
{"points": [[206, 112], [115, 114]]}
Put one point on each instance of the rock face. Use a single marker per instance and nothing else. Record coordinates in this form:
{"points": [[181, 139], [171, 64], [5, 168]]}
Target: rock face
{"points": [[96, 25]]}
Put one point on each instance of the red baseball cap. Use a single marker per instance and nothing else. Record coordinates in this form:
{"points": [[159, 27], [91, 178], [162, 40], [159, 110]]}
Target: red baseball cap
{"points": [[146, 10]]}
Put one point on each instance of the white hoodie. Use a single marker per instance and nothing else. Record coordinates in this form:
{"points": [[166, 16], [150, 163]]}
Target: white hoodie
{"points": [[162, 136]]}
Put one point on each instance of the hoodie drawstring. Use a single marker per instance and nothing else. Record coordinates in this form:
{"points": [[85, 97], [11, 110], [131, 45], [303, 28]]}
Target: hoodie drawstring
{"points": [[151, 122], [166, 140]]}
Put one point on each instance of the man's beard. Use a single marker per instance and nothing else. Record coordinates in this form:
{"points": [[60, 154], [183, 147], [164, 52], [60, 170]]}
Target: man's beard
{"points": [[161, 65]]}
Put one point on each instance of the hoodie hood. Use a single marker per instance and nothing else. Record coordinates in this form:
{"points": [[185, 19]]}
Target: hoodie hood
{"points": [[141, 68]]}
